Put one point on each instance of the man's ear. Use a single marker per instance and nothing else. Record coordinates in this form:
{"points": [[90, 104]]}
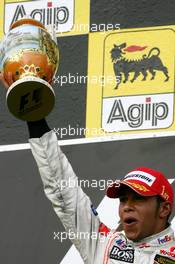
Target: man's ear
{"points": [[165, 209]]}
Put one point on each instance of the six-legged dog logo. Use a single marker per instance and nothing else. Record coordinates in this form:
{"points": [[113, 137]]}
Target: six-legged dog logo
{"points": [[149, 62]]}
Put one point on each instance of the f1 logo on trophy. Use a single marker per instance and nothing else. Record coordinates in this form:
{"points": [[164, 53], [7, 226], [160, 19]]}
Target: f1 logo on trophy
{"points": [[29, 55]]}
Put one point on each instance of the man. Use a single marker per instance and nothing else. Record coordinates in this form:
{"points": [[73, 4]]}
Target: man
{"points": [[146, 201]]}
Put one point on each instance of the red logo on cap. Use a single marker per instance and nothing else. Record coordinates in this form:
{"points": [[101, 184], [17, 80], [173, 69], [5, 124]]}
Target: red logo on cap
{"points": [[164, 194]]}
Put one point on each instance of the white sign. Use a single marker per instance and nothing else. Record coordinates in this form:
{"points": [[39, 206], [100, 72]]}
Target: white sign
{"points": [[59, 14], [137, 112]]}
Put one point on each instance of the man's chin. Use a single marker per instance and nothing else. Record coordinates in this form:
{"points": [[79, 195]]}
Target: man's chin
{"points": [[135, 237]]}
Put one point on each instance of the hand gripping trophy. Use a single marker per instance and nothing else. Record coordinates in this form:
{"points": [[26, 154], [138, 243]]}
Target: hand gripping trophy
{"points": [[29, 60]]}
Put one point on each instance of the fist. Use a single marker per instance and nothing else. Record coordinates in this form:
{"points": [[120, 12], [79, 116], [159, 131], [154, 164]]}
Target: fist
{"points": [[8, 81]]}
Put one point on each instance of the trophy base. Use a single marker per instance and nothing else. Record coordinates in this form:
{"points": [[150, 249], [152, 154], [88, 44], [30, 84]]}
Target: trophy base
{"points": [[30, 98]]}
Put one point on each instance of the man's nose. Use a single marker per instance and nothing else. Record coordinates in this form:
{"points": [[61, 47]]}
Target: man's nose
{"points": [[129, 205]]}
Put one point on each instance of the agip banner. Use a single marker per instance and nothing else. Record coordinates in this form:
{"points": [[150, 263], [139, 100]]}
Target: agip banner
{"points": [[131, 89], [68, 17]]}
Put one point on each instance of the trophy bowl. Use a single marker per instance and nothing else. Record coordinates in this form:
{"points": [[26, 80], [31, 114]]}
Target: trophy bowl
{"points": [[29, 54]]}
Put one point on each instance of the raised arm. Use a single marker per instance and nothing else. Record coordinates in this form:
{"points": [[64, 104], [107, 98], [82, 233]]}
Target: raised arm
{"points": [[70, 203]]}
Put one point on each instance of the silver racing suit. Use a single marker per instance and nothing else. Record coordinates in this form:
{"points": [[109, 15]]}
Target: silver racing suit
{"points": [[95, 242]]}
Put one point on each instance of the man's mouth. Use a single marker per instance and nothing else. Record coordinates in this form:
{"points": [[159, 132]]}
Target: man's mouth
{"points": [[129, 221]]}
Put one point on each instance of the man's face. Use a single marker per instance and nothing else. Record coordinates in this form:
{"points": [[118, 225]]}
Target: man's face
{"points": [[139, 215]]}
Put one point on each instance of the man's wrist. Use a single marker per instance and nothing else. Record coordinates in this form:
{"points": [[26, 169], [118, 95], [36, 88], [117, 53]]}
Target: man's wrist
{"points": [[37, 128]]}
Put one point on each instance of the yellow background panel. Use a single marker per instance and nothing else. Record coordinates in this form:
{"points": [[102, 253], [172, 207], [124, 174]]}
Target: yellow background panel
{"points": [[1, 18], [82, 18], [12, 1], [143, 38], [100, 63]]}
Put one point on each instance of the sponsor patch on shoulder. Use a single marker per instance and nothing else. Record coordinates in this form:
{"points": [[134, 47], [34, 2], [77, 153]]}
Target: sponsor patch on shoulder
{"points": [[163, 260]]}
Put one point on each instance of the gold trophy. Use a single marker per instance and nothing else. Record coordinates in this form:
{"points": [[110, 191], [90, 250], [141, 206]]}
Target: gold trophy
{"points": [[29, 54]]}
